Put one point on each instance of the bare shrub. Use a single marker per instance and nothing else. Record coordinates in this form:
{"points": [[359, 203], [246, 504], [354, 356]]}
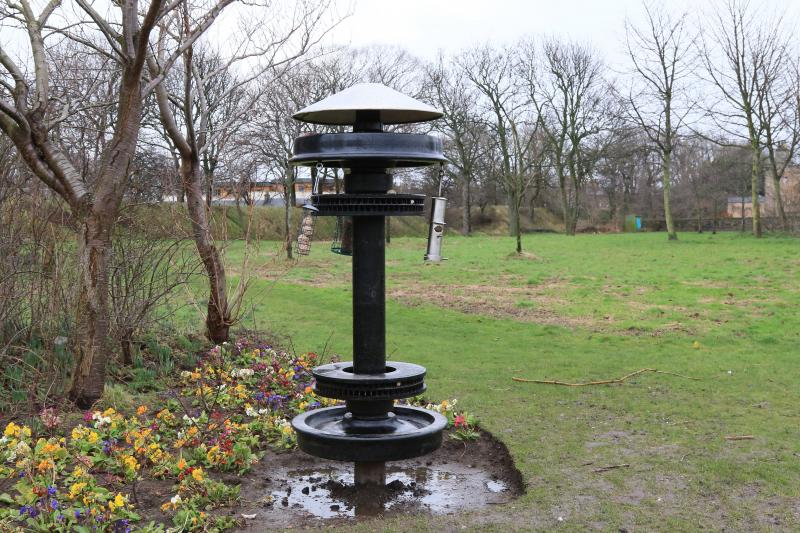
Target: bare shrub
{"points": [[144, 274]]}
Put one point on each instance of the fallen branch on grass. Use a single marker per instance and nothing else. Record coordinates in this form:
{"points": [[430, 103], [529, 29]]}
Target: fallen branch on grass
{"points": [[602, 382], [739, 437], [610, 467]]}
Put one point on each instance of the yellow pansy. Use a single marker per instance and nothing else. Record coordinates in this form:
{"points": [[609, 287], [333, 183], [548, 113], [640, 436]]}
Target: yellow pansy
{"points": [[117, 503], [76, 489], [12, 430], [130, 462]]}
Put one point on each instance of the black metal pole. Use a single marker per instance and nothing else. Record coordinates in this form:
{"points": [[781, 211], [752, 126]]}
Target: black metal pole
{"points": [[369, 298], [369, 308]]}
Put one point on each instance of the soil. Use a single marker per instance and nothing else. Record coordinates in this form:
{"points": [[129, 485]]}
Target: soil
{"points": [[295, 490]]}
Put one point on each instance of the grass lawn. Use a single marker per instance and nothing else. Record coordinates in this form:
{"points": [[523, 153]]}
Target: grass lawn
{"points": [[722, 308]]}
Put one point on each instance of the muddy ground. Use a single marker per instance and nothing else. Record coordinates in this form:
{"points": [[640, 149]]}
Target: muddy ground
{"points": [[295, 490]]}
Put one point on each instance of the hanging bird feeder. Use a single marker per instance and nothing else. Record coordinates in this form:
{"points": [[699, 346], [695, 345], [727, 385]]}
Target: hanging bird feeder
{"points": [[309, 219], [343, 237], [436, 224]]}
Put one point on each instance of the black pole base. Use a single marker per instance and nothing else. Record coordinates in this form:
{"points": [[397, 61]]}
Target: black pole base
{"points": [[413, 432]]}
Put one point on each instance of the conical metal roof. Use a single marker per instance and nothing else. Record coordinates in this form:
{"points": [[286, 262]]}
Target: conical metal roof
{"points": [[340, 109]]}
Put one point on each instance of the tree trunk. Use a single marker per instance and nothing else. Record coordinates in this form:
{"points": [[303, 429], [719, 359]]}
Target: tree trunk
{"points": [[573, 221], [288, 187], [518, 226], [218, 319], [575, 210], [513, 213], [466, 225], [666, 184], [94, 245], [209, 179], [776, 180], [91, 356], [126, 344], [754, 176], [565, 206]]}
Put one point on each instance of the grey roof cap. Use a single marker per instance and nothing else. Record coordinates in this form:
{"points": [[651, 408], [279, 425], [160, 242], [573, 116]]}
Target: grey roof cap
{"points": [[340, 109]]}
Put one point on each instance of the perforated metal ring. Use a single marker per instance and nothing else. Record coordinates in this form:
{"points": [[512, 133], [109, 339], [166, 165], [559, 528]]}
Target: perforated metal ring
{"points": [[401, 380]]}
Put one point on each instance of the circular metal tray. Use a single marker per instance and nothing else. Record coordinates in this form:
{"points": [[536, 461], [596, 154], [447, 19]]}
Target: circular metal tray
{"points": [[324, 433], [367, 148], [401, 380], [392, 205]]}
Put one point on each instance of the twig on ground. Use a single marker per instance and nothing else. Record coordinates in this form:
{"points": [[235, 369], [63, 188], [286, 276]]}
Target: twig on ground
{"points": [[602, 382], [610, 467], [739, 437]]}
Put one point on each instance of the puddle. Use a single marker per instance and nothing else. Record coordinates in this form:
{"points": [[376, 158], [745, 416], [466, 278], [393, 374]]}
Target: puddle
{"points": [[329, 492], [294, 489]]}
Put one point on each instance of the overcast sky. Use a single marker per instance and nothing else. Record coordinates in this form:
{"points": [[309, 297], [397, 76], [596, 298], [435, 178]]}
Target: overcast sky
{"points": [[425, 26]]}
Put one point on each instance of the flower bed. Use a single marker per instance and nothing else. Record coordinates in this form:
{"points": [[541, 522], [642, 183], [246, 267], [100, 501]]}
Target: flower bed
{"points": [[225, 412]]}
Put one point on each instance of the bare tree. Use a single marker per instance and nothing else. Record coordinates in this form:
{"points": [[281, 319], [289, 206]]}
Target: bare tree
{"points": [[144, 273], [493, 72], [779, 114], [661, 54], [697, 186], [743, 54], [209, 104], [30, 115], [457, 100], [273, 131], [571, 99], [619, 168]]}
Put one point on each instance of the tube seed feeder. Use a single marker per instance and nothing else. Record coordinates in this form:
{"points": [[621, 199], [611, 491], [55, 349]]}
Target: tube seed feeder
{"points": [[369, 429]]}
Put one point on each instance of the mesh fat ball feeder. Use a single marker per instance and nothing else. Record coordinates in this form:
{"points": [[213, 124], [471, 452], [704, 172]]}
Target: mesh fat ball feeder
{"points": [[369, 429]]}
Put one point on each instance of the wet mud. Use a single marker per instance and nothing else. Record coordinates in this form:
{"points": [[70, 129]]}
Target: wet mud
{"points": [[296, 490]]}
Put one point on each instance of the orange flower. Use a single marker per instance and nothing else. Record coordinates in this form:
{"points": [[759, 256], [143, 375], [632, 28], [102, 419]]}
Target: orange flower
{"points": [[141, 410]]}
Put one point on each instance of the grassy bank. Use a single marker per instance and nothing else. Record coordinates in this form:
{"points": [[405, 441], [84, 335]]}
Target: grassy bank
{"points": [[267, 222]]}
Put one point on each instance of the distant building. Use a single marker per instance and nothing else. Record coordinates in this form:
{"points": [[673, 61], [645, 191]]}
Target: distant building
{"points": [[790, 192], [268, 192], [737, 204]]}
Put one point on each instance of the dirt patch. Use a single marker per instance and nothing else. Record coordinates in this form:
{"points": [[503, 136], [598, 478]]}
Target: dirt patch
{"points": [[296, 490], [148, 497], [529, 304]]}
